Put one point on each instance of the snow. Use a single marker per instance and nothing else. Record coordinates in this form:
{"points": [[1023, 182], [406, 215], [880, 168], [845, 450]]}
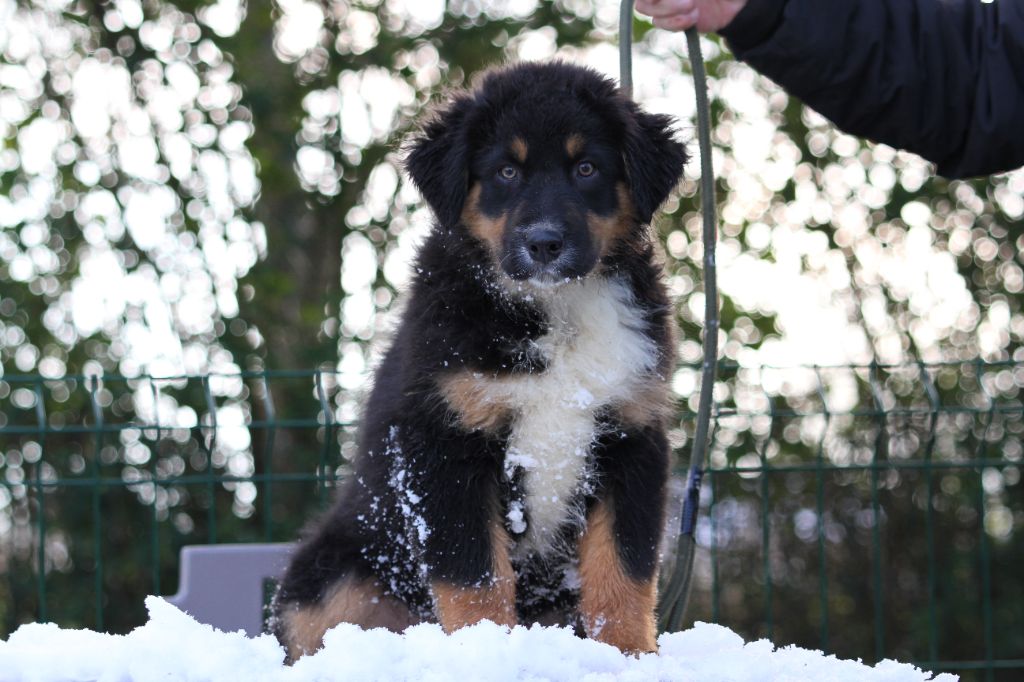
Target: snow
{"points": [[516, 518], [173, 646]]}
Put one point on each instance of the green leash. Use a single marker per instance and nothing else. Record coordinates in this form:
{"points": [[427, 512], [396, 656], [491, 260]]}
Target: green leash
{"points": [[673, 600]]}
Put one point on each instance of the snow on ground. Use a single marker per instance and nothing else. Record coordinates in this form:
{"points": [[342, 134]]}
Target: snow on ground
{"points": [[173, 646]]}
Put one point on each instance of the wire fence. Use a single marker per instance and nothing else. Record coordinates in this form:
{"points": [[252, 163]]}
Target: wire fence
{"points": [[872, 511]]}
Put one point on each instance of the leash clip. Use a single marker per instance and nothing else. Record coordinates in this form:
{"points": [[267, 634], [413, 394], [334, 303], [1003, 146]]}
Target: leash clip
{"points": [[691, 503]]}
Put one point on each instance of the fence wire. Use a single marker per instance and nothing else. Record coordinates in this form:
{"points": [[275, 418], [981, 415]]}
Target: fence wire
{"points": [[873, 511]]}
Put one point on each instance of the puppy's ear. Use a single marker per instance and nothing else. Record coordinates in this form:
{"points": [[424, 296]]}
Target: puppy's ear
{"points": [[654, 160], [438, 160]]}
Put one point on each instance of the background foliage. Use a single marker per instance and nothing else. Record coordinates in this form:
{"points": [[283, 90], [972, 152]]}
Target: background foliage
{"points": [[181, 184]]}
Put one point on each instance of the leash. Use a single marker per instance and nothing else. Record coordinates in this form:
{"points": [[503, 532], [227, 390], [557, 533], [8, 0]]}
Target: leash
{"points": [[673, 600]]}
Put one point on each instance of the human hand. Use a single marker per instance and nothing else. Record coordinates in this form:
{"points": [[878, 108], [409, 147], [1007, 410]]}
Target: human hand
{"points": [[679, 15]]}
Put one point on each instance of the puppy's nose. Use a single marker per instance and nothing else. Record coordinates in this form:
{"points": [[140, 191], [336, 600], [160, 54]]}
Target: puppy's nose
{"points": [[544, 245]]}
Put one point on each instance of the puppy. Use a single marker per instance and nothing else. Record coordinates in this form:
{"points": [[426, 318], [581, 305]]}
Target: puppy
{"points": [[513, 456]]}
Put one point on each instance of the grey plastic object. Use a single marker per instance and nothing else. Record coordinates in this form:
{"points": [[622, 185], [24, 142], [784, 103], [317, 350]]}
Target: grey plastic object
{"points": [[223, 585]]}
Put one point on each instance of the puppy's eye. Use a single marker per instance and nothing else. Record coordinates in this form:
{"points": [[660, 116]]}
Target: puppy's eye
{"points": [[508, 173], [585, 169]]}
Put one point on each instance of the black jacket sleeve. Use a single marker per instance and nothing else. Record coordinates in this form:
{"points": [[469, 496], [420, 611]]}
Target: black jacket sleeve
{"points": [[941, 78]]}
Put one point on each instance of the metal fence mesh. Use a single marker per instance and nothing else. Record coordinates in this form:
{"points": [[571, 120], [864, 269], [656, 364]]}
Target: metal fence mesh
{"points": [[872, 511]]}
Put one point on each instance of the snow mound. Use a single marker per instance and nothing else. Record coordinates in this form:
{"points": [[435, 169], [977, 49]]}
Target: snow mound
{"points": [[173, 646]]}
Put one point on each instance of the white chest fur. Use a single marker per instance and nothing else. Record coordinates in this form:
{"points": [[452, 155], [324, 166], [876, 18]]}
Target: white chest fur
{"points": [[597, 355]]}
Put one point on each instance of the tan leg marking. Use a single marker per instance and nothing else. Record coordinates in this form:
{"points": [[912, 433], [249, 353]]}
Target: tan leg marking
{"points": [[574, 145], [473, 398], [519, 149], [362, 602], [616, 609], [607, 231], [488, 230], [458, 606]]}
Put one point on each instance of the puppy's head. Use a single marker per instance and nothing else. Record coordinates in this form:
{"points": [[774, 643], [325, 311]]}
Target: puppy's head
{"points": [[548, 165]]}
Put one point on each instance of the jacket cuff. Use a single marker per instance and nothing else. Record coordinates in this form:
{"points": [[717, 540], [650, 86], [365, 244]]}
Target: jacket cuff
{"points": [[754, 24]]}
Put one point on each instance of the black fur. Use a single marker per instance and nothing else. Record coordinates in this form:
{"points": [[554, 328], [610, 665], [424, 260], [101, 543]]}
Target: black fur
{"points": [[424, 489]]}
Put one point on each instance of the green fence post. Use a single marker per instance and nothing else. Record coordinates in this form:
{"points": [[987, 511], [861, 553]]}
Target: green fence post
{"points": [[268, 459], [934, 405], [819, 478], [40, 499], [983, 548], [210, 440], [155, 529], [876, 511], [97, 491], [716, 592], [766, 567], [328, 420]]}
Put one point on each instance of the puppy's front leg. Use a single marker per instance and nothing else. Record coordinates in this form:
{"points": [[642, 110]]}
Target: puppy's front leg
{"points": [[618, 551], [617, 608], [492, 597], [467, 549]]}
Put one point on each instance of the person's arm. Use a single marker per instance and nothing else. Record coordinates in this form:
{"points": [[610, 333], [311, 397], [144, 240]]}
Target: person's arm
{"points": [[941, 78]]}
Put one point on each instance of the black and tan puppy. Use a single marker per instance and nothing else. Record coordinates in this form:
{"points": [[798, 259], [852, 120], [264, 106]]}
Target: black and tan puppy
{"points": [[513, 456]]}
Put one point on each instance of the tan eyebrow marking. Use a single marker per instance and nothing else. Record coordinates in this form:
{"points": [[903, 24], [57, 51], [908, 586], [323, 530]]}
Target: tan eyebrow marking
{"points": [[574, 145], [519, 149]]}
